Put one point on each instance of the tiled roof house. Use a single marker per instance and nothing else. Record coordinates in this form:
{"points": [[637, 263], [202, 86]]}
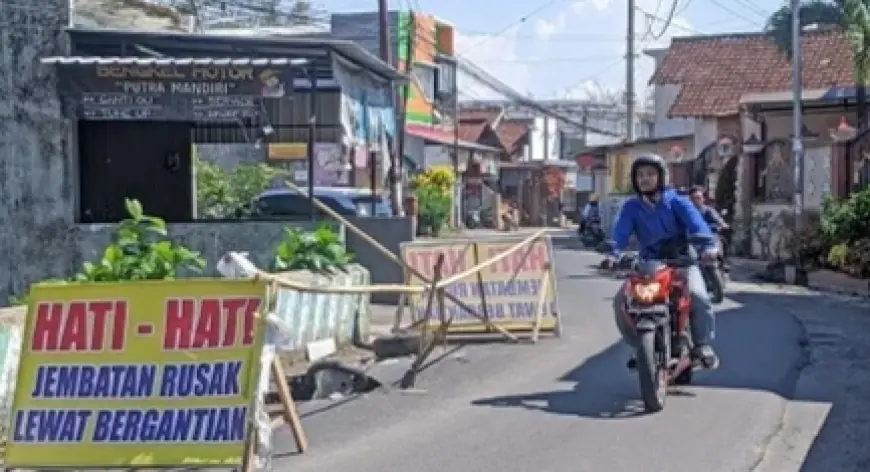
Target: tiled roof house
{"points": [[713, 72], [492, 128]]}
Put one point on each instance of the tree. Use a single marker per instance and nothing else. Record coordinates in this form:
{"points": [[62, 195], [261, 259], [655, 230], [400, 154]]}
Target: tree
{"points": [[301, 14], [853, 16], [817, 12]]}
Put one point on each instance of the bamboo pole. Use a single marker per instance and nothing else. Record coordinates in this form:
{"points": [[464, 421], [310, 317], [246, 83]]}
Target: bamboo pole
{"points": [[489, 262], [357, 289]]}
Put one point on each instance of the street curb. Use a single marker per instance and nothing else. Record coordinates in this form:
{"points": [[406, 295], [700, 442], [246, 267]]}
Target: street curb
{"points": [[817, 282]]}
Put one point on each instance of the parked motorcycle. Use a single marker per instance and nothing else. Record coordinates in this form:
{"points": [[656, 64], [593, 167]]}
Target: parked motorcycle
{"points": [[658, 305]]}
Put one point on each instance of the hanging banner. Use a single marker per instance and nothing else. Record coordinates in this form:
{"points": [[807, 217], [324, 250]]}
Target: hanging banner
{"points": [[136, 374], [214, 92], [365, 103]]}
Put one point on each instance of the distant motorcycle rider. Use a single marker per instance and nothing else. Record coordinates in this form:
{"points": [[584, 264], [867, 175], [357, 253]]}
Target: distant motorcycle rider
{"points": [[714, 220], [590, 211], [654, 216]]}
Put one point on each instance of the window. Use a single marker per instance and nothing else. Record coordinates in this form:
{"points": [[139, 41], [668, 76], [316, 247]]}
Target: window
{"points": [[445, 78], [425, 77]]}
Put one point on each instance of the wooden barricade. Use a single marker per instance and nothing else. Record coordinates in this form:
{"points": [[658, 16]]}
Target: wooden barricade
{"points": [[435, 287]]}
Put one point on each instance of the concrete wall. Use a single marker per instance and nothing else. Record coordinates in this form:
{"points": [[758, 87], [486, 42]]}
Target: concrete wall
{"points": [[37, 195], [259, 238], [390, 232], [212, 239]]}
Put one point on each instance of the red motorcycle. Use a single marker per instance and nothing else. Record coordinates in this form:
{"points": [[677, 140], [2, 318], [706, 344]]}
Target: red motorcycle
{"points": [[658, 304]]}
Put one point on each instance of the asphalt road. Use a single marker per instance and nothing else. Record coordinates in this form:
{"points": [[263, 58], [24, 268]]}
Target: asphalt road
{"points": [[570, 404]]}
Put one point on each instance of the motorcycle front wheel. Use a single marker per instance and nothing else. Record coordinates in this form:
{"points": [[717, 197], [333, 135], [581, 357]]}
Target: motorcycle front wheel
{"points": [[652, 375]]}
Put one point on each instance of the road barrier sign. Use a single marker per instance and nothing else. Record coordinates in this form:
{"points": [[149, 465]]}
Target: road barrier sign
{"points": [[137, 374], [514, 287]]}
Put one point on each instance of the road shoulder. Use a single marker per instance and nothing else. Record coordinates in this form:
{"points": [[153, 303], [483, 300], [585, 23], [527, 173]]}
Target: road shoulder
{"points": [[827, 419]]}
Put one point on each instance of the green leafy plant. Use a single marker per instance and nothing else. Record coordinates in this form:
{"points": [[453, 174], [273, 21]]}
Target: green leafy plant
{"points": [[223, 194], [140, 250], [319, 251], [434, 207]]}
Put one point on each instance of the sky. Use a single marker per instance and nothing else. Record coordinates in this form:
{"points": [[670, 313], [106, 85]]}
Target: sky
{"points": [[570, 48]]}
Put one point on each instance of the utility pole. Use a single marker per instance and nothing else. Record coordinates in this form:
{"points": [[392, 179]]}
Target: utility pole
{"points": [[797, 112], [629, 73], [395, 175]]}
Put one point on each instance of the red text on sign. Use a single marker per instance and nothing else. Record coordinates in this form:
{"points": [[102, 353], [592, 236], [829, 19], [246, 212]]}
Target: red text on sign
{"points": [[423, 260], [205, 323], [79, 326], [523, 260]]}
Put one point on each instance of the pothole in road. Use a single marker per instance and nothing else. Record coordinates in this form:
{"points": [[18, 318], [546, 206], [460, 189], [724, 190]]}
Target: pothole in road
{"points": [[328, 380]]}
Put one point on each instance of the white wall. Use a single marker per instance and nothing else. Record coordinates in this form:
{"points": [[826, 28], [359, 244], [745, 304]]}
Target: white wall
{"points": [[706, 132], [544, 140], [663, 98]]}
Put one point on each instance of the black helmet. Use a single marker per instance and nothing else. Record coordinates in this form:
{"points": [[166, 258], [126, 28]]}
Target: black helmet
{"points": [[649, 160]]}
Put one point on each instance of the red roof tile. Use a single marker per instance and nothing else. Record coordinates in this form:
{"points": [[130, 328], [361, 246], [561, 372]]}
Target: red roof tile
{"points": [[471, 130], [715, 71], [509, 132]]}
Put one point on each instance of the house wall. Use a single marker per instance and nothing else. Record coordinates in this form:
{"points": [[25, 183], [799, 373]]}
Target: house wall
{"points": [[768, 242], [619, 160], [429, 37], [663, 99], [544, 139], [37, 183]]}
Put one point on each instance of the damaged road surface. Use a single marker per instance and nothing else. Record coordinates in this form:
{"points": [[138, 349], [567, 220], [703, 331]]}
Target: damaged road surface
{"points": [[571, 404]]}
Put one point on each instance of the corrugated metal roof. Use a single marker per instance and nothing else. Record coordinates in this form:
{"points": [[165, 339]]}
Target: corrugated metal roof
{"points": [[303, 46], [167, 61]]}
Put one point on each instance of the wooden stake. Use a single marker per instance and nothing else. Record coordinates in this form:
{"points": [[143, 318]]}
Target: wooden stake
{"points": [[291, 416], [542, 303]]}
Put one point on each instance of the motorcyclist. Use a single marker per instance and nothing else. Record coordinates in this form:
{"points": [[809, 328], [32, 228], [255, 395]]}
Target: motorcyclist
{"points": [[711, 216], [590, 212], [657, 215], [714, 220]]}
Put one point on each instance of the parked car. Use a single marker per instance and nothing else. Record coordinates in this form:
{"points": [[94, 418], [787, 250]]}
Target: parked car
{"points": [[347, 202]]}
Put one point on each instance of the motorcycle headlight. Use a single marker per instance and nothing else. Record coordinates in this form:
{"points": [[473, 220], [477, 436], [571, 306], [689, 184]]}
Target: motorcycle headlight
{"points": [[647, 292]]}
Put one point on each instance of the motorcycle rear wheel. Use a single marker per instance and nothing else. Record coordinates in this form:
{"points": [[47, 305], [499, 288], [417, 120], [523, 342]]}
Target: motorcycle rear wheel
{"points": [[652, 375]]}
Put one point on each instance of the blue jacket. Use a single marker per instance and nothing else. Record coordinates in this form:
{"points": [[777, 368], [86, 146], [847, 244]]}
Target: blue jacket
{"points": [[672, 215]]}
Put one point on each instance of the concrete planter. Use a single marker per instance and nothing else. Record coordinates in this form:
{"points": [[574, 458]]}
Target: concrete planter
{"points": [[320, 316]]}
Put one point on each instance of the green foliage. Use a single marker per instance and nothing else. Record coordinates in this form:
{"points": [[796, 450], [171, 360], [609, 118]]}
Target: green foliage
{"points": [[434, 207], [844, 222], [222, 194], [140, 250], [318, 251], [818, 12]]}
